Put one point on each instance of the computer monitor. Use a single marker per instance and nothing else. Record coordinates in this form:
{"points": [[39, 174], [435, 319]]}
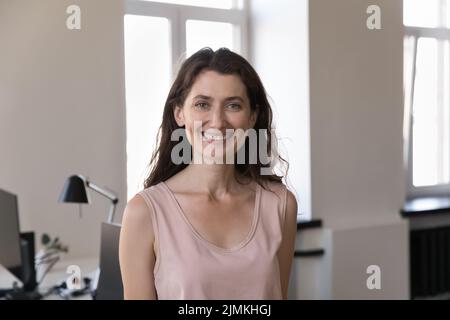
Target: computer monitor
{"points": [[10, 241], [109, 285]]}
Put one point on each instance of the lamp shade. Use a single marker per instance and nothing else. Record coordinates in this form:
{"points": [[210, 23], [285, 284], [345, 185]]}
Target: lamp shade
{"points": [[74, 190]]}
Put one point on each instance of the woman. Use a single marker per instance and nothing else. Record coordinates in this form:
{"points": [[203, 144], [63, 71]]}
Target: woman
{"points": [[210, 229]]}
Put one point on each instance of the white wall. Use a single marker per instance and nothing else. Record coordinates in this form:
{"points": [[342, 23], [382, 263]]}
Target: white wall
{"points": [[356, 112], [342, 272], [353, 250], [62, 112], [350, 129], [278, 51], [337, 92]]}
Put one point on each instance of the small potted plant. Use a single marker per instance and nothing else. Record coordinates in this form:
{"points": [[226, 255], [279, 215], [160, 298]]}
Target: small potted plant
{"points": [[50, 254]]}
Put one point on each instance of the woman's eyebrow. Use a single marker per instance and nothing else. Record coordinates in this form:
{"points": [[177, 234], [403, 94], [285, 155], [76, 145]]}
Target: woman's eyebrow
{"points": [[234, 98], [200, 96]]}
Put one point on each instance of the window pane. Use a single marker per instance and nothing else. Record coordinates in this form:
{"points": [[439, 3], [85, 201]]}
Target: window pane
{"points": [[220, 4], [429, 13], [147, 80], [201, 34], [431, 114]]}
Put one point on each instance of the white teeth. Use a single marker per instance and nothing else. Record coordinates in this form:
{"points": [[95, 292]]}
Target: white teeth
{"points": [[208, 136], [213, 137]]}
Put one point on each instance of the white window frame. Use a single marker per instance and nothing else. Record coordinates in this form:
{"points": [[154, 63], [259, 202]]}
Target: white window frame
{"points": [[178, 14], [412, 191]]}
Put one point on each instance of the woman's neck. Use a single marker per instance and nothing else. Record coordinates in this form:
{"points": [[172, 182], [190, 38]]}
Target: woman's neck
{"points": [[216, 180]]}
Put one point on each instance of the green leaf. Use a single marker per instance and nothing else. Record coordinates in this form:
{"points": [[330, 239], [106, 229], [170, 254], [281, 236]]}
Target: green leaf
{"points": [[45, 239]]}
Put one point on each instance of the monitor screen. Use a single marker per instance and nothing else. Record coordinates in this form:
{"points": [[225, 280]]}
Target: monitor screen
{"points": [[10, 256]]}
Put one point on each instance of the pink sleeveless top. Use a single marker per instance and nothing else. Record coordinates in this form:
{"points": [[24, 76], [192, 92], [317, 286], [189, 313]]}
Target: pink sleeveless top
{"points": [[190, 267]]}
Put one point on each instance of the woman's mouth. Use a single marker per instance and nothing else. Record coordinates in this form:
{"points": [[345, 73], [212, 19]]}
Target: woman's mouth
{"points": [[215, 137]]}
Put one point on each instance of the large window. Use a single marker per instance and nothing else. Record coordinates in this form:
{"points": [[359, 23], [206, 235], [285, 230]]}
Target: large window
{"points": [[427, 87], [158, 36]]}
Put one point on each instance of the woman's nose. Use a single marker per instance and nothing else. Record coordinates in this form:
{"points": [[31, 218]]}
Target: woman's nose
{"points": [[216, 118]]}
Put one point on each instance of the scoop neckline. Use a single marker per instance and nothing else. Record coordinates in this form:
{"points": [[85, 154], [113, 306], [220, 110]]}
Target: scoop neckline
{"points": [[237, 247]]}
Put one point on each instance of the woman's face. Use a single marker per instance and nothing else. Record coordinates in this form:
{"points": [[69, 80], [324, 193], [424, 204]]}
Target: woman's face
{"points": [[214, 109]]}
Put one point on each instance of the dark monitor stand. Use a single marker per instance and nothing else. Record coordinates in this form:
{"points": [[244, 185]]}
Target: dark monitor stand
{"points": [[27, 272]]}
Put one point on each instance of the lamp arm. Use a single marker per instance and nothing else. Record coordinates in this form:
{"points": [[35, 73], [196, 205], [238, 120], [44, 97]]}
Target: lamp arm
{"points": [[112, 210], [102, 191], [108, 195]]}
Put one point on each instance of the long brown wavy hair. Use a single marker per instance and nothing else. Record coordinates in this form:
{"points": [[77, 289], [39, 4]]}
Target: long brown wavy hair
{"points": [[226, 62]]}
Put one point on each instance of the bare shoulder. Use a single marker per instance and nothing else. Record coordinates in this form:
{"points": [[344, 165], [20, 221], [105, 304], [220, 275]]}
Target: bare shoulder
{"points": [[283, 192], [137, 208], [137, 214]]}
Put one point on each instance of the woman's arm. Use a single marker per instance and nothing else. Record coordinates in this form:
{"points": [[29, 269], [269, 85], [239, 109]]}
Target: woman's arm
{"points": [[136, 253], [286, 251]]}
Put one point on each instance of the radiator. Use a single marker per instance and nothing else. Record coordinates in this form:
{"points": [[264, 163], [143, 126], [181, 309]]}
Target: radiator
{"points": [[430, 262]]}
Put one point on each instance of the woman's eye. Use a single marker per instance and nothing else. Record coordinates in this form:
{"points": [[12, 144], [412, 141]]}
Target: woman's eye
{"points": [[234, 106], [201, 105]]}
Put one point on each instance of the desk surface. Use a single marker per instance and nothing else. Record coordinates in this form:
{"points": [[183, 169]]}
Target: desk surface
{"points": [[58, 274]]}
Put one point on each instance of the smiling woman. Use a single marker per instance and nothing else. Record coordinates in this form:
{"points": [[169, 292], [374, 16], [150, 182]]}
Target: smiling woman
{"points": [[210, 230]]}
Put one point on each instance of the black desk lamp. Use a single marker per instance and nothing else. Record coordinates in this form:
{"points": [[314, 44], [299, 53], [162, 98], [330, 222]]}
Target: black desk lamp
{"points": [[75, 191]]}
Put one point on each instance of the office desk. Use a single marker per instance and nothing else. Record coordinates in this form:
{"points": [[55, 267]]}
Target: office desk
{"points": [[58, 274]]}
